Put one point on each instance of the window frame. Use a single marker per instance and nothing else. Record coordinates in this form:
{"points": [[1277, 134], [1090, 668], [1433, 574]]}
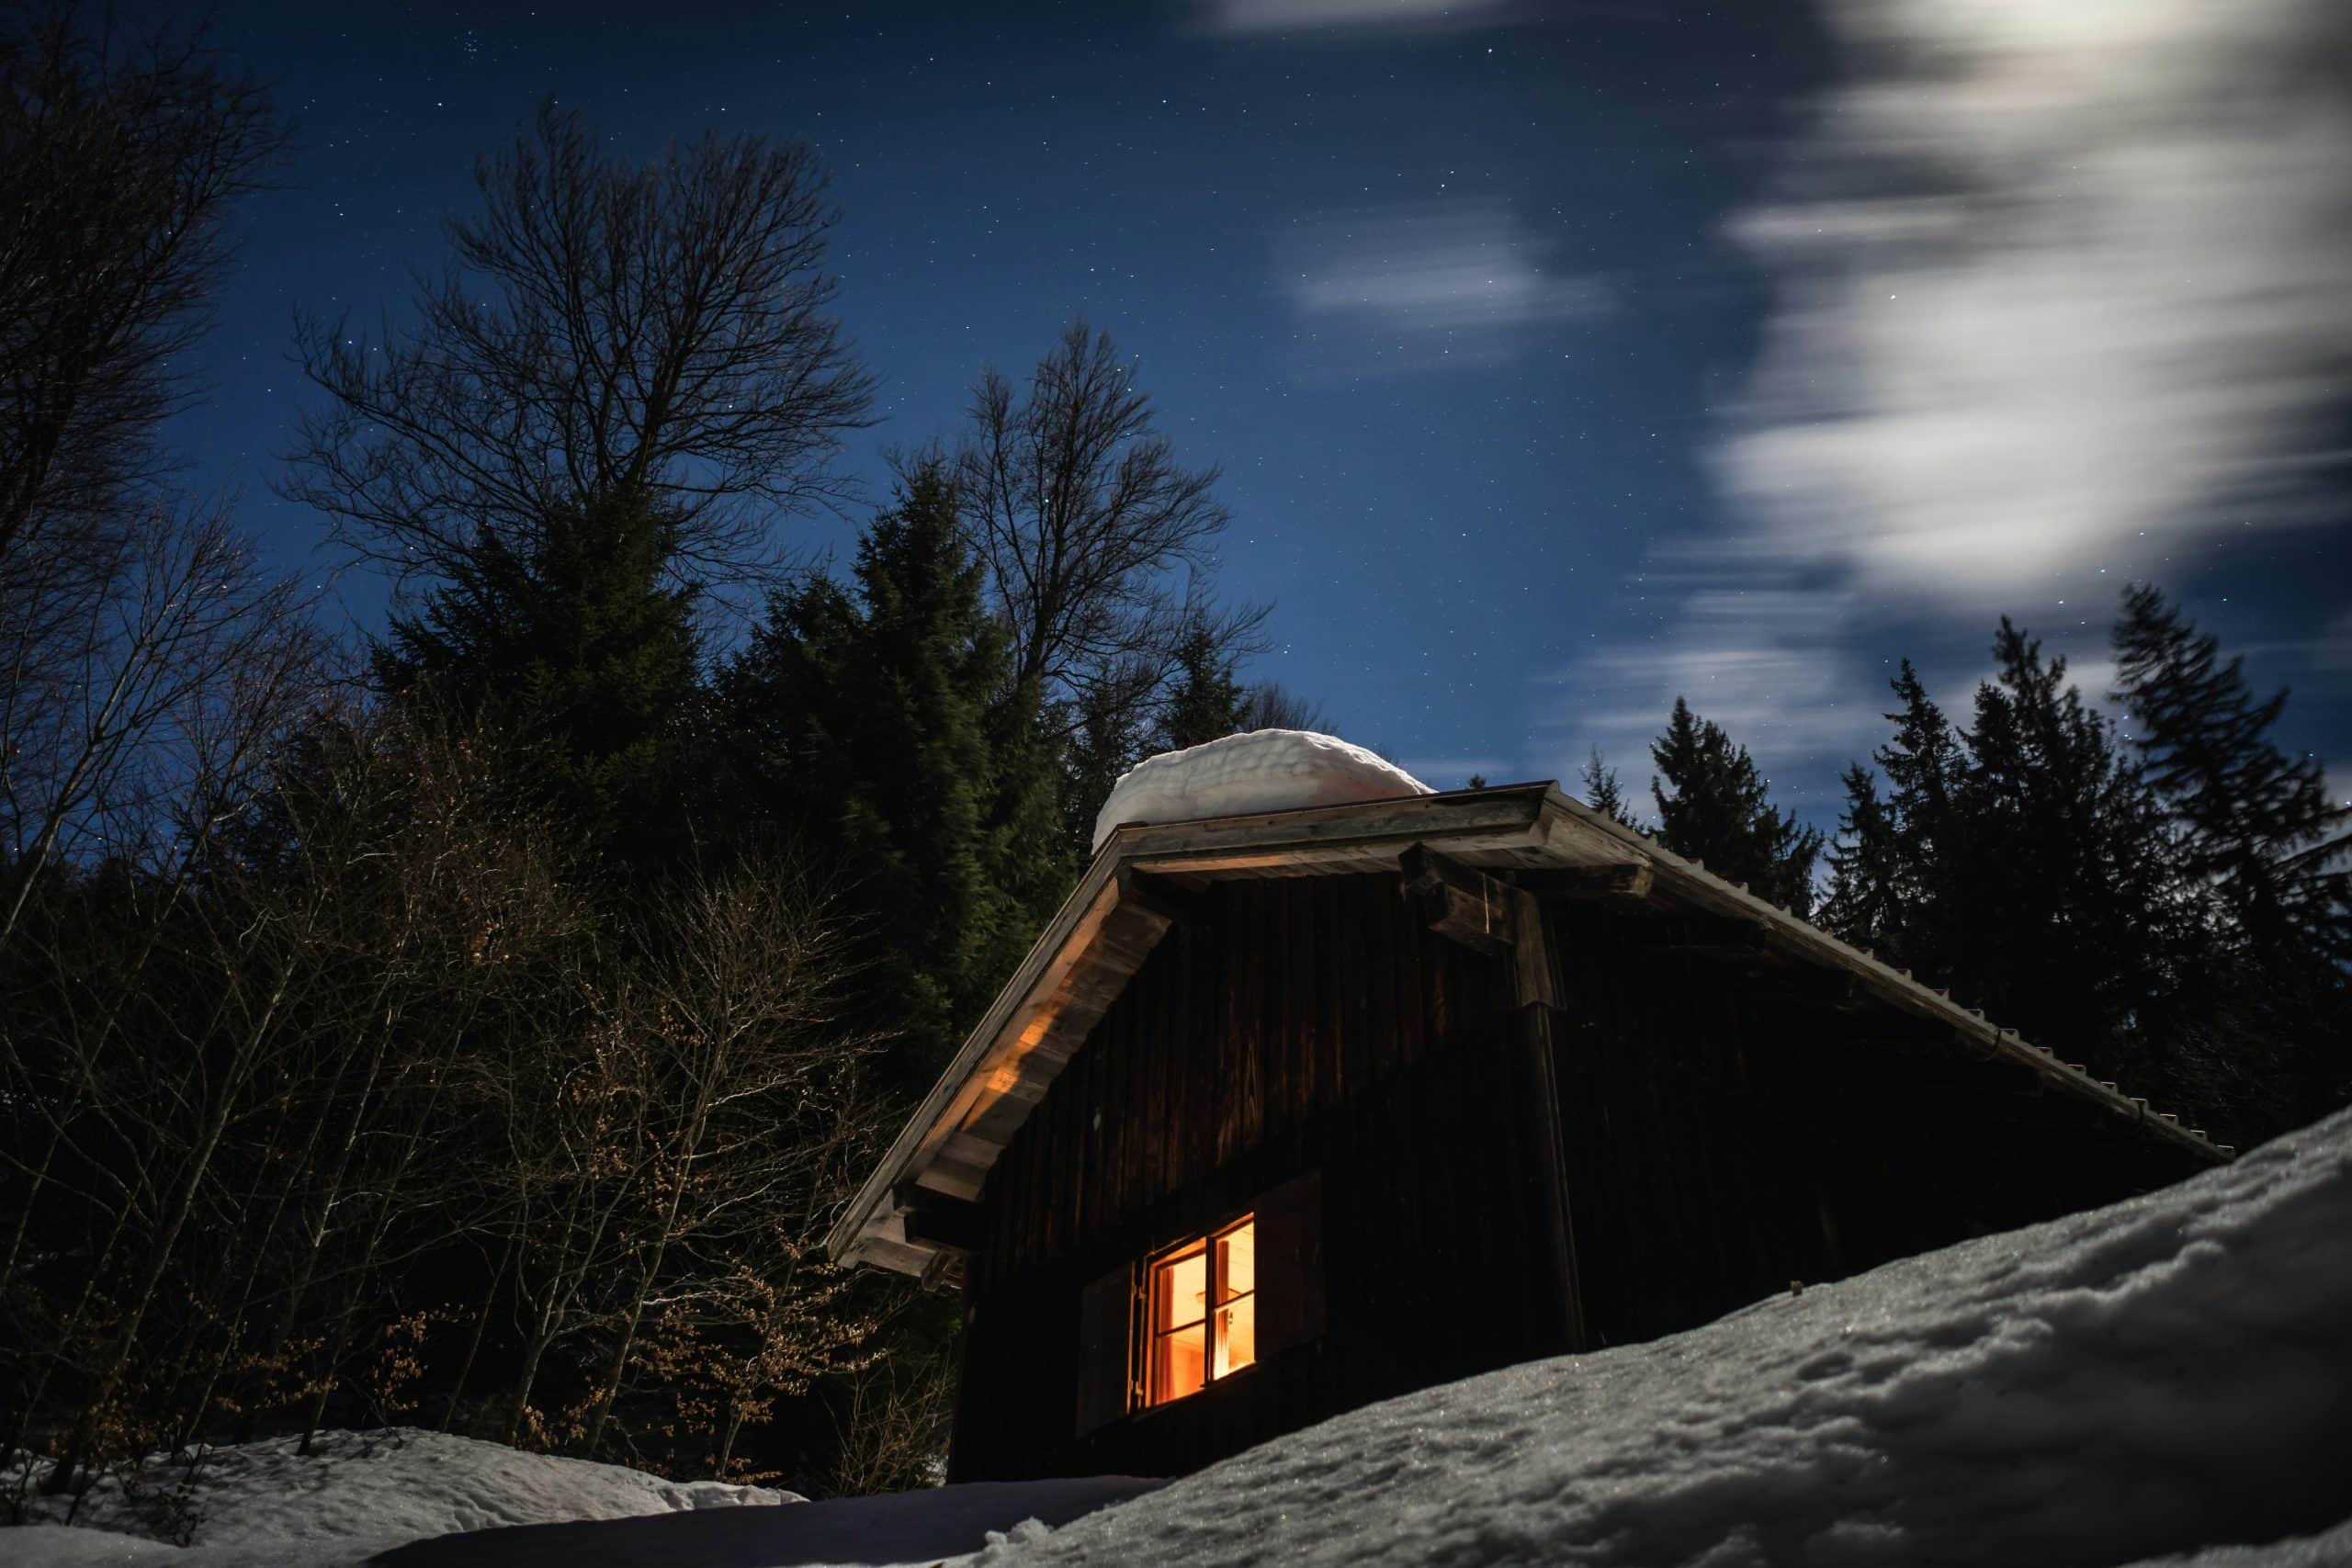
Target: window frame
{"points": [[1144, 1381]]}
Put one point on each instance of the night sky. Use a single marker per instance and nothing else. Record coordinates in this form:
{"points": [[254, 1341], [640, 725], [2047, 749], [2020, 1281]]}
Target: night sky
{"points": [[1557, 358]]}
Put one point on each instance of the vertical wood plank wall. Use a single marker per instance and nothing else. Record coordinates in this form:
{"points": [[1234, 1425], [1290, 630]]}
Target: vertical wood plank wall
{"points": [[1289, 1025], [1724, 1131], [1724, 1139]]}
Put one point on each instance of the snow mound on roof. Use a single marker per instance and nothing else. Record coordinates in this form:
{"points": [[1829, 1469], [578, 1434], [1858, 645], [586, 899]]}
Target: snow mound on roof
{"points": [[2167, 1381], [1265, 770]]}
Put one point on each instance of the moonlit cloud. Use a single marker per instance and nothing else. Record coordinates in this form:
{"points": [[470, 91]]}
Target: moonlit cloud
{"points": [[1414, 287], [1768, 665], [1327, 16], [2046, 278], [2052, 289], [2333, 653]]}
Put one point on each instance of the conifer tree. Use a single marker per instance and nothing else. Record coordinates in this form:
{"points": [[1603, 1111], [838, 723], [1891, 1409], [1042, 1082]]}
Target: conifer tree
{"points": [[2060, 888], [1718, 812], [579, 638], [1892, 868], [1207, 701], [2258, 825], [1107, 736], [2038, 868], [1864, 907], [2257, 836], [1603, 792], [867, 718]]}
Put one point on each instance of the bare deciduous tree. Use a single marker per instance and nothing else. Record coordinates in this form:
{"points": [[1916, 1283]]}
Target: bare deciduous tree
{"points": [[1102, 547], [603, 326], [152, 714], [1270, 705], [117, 165]]}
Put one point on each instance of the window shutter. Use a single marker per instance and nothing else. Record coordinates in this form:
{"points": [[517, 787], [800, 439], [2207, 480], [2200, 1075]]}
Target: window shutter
{"points": [[1290, 1264], [1104, 1313]]}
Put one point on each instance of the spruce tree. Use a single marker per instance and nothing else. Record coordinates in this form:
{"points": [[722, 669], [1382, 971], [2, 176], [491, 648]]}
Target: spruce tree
{"points": [[1864, 906], [1603, 792], [2258, 825], [1893, 866], [2257, 836], [1713, 805], [866, 717], [1107, 736], [580, 641], [1207, 701], [2062, 890]]}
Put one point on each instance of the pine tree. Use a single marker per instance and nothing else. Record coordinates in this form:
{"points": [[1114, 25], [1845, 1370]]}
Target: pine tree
{"points": [[2258, 837], [1207, 701], [2050, 896], [866, 721], [1892, 867], [2259, 825], [1603, 792], [1107, 736], [584, 643], [1718, 812], [1864, 906]]}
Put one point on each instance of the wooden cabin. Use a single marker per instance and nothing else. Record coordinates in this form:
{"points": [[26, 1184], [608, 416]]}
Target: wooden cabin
{"points": [[1292, 1112]]}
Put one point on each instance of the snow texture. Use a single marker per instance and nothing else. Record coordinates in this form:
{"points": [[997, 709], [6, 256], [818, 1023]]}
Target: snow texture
{"points": [[1266, 770], [389, 1497], [355, 1493], [2165, 1382]]}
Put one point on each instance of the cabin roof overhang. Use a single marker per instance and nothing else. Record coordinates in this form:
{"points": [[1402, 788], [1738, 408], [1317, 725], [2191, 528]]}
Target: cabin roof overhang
{"points": [[909, 1215]]}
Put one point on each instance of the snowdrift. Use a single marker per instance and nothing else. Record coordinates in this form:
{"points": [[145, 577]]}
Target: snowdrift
{"points": [[355, 1493], [1266, 770], [2135, 1385]]}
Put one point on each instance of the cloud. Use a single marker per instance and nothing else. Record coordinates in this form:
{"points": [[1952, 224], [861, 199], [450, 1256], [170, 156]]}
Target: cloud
{"points": [[2051, 288], [1767, 664], [2046, 278], [2334, 651], [1418, 286], [1349, 16]]}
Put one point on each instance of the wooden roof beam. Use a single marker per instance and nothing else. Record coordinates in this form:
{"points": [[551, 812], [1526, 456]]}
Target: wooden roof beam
{"points": [[1460, 902]]}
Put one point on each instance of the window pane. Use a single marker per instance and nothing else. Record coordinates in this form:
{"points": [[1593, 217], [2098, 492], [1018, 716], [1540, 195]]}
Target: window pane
{"points": [[1236, 1261], [1176, 1364], [1180, 1291], [1237, 1335]]}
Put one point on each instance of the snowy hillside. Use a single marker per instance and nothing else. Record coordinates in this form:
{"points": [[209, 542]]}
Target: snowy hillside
{"points": [[354, 1492], [2168, 1381], [2167, 1375], [360, 1495]]}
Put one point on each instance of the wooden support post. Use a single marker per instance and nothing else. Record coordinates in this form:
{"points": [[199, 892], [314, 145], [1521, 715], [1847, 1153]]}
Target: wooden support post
{"points": [[1463, 904], [1538, 1000]]}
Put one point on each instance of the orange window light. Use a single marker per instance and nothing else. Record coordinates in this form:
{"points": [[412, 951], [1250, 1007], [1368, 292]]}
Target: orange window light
{"points": [[1194, 1342]]}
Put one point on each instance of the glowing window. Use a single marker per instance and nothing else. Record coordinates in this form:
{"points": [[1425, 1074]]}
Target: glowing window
{"points": [[1203, 1305]]}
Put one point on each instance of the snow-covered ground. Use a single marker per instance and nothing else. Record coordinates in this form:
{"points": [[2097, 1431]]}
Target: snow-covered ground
{"points": [[1266, 770], [402, 1493], [2168, 1381]]}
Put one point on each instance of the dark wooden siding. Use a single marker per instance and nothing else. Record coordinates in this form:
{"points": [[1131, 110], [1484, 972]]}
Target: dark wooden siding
{"points": [[1282, 1026], [1732, 1127], [1729, 1124]]}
